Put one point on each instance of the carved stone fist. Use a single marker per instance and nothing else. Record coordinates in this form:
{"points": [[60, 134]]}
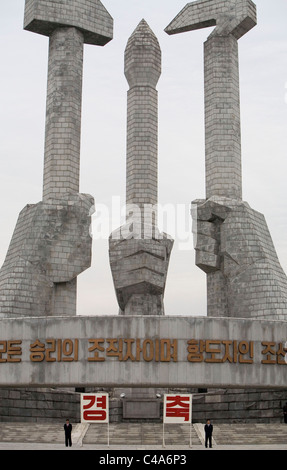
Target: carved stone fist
{"points": [[234, 247]]}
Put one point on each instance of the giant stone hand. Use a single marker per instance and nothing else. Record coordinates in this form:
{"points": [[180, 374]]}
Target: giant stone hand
{"points": [[233, 240]]}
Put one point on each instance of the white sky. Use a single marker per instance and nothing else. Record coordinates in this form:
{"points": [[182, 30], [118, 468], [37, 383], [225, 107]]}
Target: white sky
{"points": [[263, 76]]}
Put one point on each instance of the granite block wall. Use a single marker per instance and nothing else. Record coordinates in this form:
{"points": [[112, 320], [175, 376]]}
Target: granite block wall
{"points": [[239, 406], [221, 406]]}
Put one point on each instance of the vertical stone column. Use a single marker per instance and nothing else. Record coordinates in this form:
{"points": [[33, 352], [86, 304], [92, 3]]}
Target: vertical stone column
{"points": [[63, 113], [63, 134], [222, 118], [223, 175], [233, 19], [142, 70], [141, 165], [139, 254]]}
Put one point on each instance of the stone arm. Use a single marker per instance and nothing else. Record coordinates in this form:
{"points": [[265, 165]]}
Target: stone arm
{"points": [[233, 240], [50, 247]]}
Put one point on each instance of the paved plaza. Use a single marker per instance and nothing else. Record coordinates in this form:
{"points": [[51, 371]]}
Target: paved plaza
{"points": [[142, 436]]}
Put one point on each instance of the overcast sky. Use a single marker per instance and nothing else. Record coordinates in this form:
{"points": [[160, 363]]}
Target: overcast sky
{"points": [[263, 78]]}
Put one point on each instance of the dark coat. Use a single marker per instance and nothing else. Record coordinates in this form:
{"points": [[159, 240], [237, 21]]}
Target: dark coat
{"points": [[68, 429], [208, 430]]}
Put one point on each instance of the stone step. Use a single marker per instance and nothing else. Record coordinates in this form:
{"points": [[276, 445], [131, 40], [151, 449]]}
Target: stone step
{"points": [[250, 433], [140, 434], [31, 432]]}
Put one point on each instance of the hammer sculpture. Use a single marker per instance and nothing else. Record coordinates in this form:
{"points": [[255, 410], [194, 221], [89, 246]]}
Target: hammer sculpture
{"points": [[233, 19], [51, 244], [233, 245]]}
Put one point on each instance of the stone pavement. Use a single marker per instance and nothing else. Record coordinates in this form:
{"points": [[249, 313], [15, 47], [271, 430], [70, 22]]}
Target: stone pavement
{"points": [[142, 436]]}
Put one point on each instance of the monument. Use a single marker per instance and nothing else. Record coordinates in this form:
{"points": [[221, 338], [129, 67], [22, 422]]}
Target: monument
{"points": [[233, 244], [51, 244], [43, 343]]}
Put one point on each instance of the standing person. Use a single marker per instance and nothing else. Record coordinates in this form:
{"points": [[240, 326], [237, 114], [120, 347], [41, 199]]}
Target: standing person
{"points": [[208, 428], [285, 413], [68, 433]]}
